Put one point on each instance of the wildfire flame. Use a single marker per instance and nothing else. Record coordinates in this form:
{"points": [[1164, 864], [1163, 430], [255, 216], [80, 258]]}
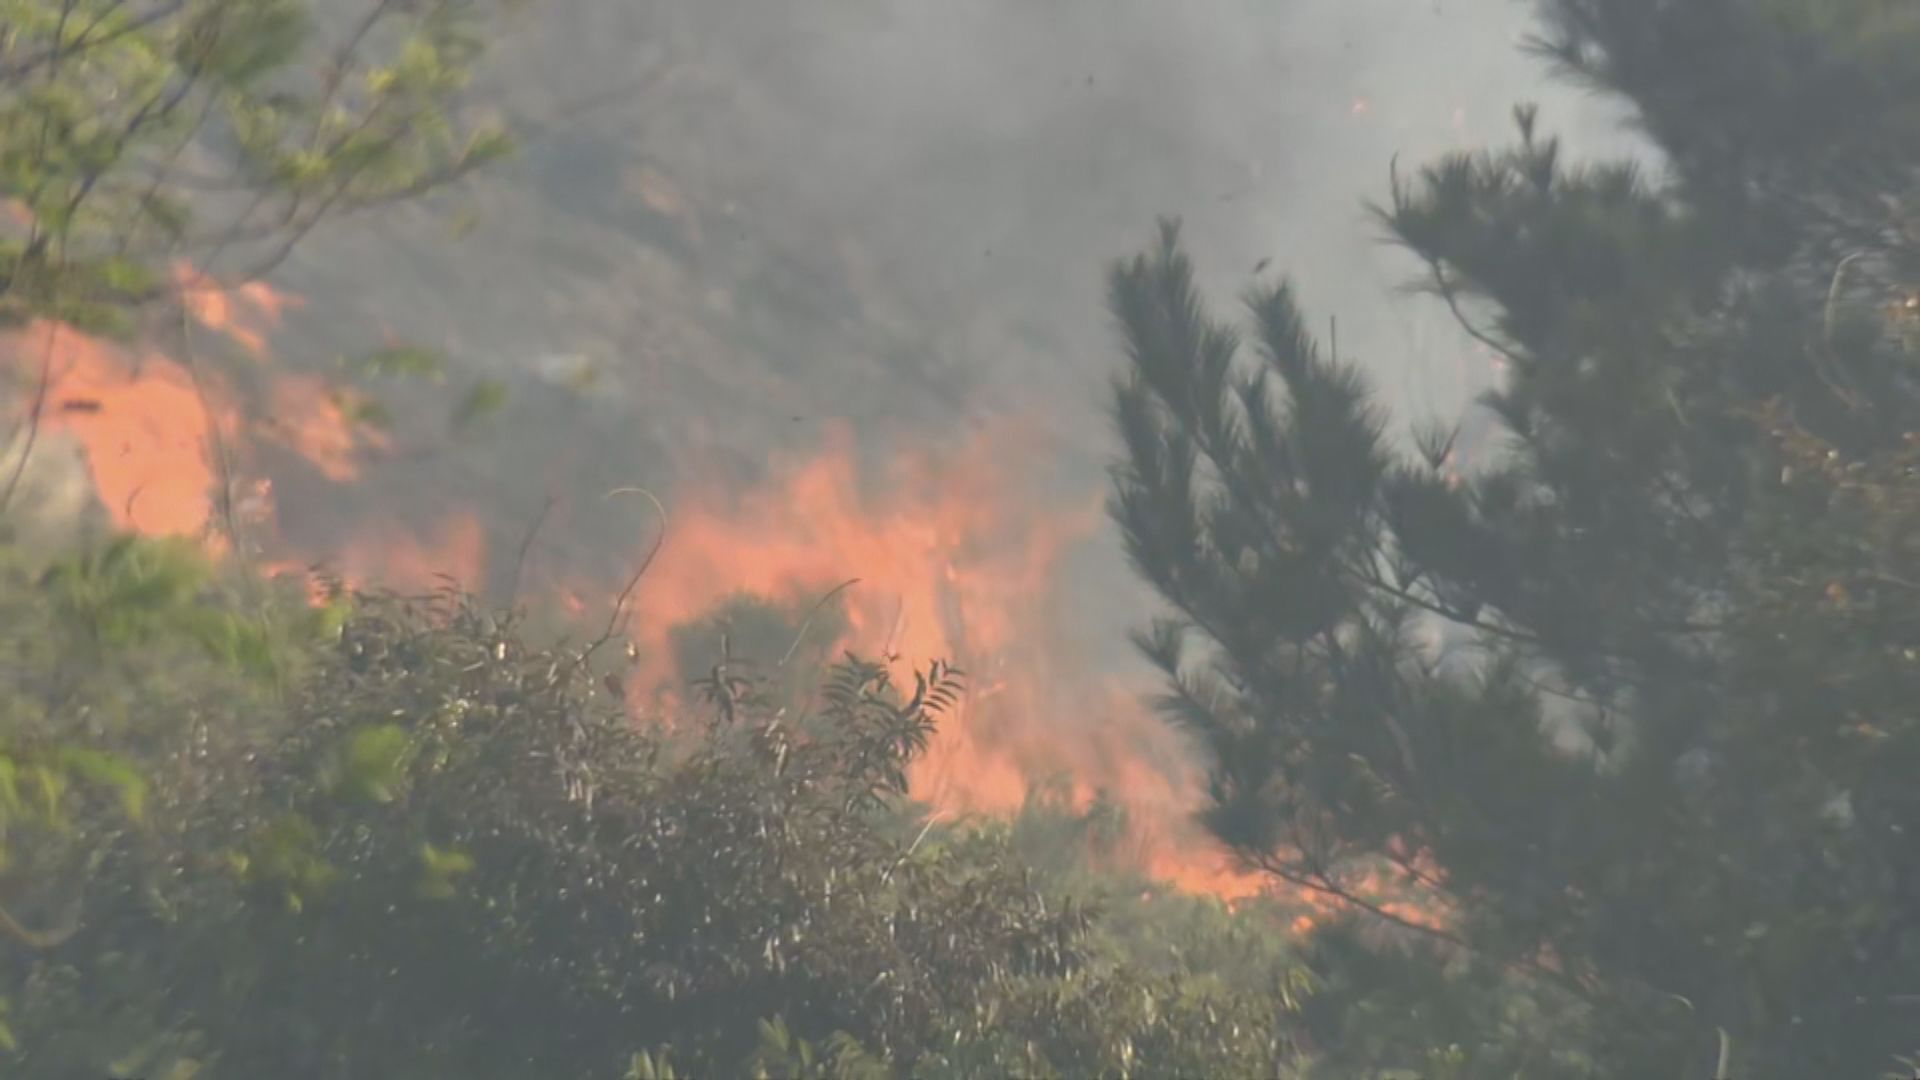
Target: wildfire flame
{"points": [[246, 313], [958, 559], [958, 551], [169, 444], [142, 423]]}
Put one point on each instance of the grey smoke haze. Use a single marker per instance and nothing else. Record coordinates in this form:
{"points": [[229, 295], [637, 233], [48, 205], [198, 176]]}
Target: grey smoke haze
{"points": [[899, 213]]}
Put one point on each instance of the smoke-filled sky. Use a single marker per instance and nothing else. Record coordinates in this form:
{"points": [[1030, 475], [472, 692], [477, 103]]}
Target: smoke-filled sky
{"points": [[755, 217], [828, 278]]}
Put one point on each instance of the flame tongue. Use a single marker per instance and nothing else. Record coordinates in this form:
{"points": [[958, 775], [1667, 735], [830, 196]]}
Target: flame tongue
{"points": [[959, 557], [959, 554], [143, 427], [163, 440]]}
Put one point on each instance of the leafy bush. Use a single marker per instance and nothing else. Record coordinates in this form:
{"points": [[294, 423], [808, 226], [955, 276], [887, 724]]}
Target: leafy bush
{"points": [[431, 848]]}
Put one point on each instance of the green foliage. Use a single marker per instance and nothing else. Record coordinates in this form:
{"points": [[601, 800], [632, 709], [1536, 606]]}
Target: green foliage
{"points": [[132, 135], [440, 871], [645, 1066], [285, 857], [1645, 774], [103, 771], [132, 593], [374, 762], [217, 133], [36, 783], [402, 362], [782, 1056], [485, 398], [109, 653], [449, 852], [778, 647], [362, 410]]}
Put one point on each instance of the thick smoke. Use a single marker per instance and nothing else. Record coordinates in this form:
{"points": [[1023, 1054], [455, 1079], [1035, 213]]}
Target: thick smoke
{"points": [[753, 217]]}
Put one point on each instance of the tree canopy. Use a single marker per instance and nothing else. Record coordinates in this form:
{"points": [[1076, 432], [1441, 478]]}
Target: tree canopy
{"points": [[1658, 768], [423, 845], [140, 133], [1621, 713], [244, 833]]}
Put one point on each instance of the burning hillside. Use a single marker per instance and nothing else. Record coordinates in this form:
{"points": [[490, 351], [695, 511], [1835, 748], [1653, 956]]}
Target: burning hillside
{"points": [[951, 551], [957, 553], [957, 557], [171, 444]]}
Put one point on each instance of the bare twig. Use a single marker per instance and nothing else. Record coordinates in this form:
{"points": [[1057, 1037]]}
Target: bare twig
{"points": [[161, 171], [526, 545], [84, 41], [626, 592], [36, 240], [36, 415], [811, 612], [342, 64], [1319, 881], [159, 107], [222, 458], [911, 848], [1445, 289], [564, 115], [1826, 363], [38, 940]]}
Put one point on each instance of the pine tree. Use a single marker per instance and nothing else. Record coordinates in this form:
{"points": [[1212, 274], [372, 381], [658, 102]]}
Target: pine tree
{"points": [[1672, 780]]}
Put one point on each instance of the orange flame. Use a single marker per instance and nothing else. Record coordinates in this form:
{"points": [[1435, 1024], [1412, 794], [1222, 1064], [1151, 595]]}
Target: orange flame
{"points": [[308, 418], [958, 558], [456, 554], [246, 313], [143, 427], [160, 439], [959, 555]]}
